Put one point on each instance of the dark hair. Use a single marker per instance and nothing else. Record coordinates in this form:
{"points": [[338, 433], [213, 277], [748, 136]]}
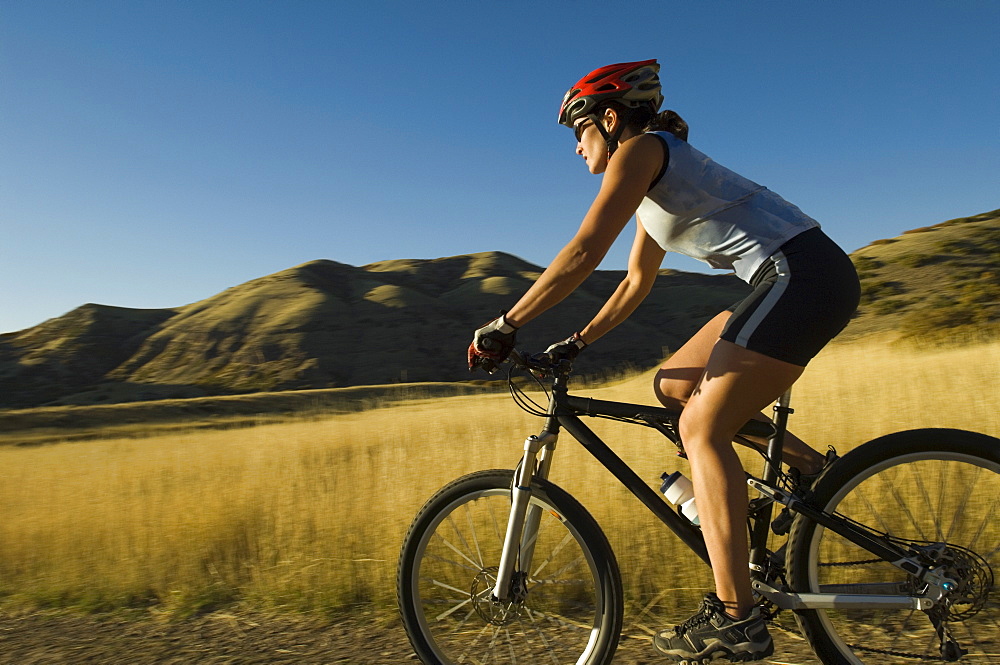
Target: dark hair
{"points": [[668, 121], [644, 119]]}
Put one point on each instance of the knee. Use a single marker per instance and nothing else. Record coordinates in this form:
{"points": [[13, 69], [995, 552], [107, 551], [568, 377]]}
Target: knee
{"points": [[690, 431], [698, 432], [670, 392]]}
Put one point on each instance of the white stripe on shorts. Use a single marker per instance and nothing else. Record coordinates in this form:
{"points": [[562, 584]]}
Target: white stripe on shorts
{"points": [[765, 307]]}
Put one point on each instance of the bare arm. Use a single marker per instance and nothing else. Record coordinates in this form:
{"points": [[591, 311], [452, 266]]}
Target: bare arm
{"points": [[643, 265], [622, 190]]}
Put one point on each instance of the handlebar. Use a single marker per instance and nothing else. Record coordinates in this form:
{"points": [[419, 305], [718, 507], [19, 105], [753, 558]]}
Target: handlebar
{"points": [[544, 365], [540, 363]]}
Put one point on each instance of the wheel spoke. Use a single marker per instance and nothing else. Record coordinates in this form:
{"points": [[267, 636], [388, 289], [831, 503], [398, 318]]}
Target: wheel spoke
{"points": [[959, 513], [459, 536], [567, 611], [451, 562], [540, 634], [922, 487], [945, 497], [570, 565], [904, 508], [989, 516], [555, 551], [448, 613], [497, 531], [561, 620], [459, 552], [474, 536], [485, 630], [876, 514]]}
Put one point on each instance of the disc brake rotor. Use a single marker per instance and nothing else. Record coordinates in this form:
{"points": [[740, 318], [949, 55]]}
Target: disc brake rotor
{"points": [[491, 610]]}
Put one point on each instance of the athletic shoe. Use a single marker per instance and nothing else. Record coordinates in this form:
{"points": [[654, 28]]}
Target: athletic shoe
{"points": [[712, 634]]}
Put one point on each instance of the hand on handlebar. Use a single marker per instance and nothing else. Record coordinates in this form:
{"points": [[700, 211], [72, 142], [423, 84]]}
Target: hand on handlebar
{"points": [[491, 344], [539, 364], [568, 349], [494, 343]]}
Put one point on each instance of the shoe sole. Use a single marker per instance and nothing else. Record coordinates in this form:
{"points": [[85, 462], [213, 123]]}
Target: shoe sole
{"points": [[716, 652]]}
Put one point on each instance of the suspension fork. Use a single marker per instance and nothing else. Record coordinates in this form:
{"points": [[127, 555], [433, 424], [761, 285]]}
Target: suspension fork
{"points": [[522, 524], [523, 521]]}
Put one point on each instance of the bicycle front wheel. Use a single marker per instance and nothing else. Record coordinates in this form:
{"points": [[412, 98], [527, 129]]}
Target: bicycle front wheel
{"points": [[566, 602], [936, 490]]}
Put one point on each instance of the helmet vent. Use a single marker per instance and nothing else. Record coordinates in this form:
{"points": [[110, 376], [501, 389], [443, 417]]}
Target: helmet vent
{"points": [[631, 83]]}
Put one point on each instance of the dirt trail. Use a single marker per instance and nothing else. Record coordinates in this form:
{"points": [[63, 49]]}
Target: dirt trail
{"points": [[230, 639]]}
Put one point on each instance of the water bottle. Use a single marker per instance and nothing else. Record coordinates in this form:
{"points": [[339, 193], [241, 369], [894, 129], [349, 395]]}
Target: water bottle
{"points": [[680, 492]]}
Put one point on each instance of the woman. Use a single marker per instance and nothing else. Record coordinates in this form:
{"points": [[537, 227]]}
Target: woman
{"points": [[804, 292]]}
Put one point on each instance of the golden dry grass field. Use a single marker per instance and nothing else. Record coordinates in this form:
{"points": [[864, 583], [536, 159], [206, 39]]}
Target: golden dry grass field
{"points": [[309, 515]]}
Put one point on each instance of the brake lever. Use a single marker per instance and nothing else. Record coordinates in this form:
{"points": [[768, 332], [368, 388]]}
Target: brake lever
{"points": [[539, 364], [517, 359], [486, 364]]}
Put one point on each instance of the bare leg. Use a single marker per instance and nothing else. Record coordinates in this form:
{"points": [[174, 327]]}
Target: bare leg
{"points": [[677, 378], [735, 386]]}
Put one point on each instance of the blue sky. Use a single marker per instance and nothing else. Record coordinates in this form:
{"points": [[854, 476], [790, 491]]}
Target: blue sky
{"points": [[153, 154]]}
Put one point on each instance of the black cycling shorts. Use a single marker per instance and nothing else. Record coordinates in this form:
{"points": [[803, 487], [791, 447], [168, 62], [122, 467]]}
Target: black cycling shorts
{"points": [[804, 294]]}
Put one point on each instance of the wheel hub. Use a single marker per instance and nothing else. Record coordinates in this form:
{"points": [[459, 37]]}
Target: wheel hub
{"points": [[974, 579], [488, 607]]}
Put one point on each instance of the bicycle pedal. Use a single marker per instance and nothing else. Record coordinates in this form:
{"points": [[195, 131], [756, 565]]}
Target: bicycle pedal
{"points": [[783, 522]]}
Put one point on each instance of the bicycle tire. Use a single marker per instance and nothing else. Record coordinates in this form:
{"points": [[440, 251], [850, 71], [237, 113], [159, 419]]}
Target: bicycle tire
{"points": [[572, 612], [921, 486]]}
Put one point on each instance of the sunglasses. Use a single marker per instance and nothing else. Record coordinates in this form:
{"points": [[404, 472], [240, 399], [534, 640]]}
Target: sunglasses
{"points": [[579, 129]]}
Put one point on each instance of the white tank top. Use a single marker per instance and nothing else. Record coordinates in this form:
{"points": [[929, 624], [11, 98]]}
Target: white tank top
{"points": [[703, 210]]}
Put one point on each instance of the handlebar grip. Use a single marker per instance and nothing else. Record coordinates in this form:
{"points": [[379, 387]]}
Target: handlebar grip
{"points": [[516, 358]]}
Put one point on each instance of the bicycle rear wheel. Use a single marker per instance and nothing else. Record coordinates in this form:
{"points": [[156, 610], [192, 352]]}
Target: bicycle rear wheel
{"points": [[567, 605], [937, 489]]}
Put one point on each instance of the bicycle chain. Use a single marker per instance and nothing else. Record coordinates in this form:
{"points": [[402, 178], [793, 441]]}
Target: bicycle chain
{"points": [[898, 654], [865, 649], [851, 563]]}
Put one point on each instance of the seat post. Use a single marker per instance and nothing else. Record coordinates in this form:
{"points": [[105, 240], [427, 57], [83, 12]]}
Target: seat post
{"points": [[772, 467], [775, 444]]}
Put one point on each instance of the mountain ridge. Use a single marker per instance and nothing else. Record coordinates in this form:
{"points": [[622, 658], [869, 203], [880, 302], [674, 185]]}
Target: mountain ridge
{"points": [[322, 324], [938, 283], [326, 324]]}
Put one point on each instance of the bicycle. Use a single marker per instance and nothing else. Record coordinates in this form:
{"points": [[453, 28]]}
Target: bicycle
{"points": [[889, 553]]}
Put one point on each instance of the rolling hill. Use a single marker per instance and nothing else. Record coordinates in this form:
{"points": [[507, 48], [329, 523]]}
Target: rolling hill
{"points": [[938, 283], [325, 324]]}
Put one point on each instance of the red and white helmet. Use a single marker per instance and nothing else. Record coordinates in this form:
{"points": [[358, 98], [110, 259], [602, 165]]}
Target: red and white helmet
{"points": [[633, 84]]}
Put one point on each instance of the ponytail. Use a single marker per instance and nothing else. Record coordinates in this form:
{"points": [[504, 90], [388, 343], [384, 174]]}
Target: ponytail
{"points": [[645, 119], [669, 121]]}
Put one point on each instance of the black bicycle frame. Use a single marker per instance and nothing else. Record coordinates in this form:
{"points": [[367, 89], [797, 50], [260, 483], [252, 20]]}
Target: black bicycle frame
{"points": [[565, 411], [684, 529]]}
